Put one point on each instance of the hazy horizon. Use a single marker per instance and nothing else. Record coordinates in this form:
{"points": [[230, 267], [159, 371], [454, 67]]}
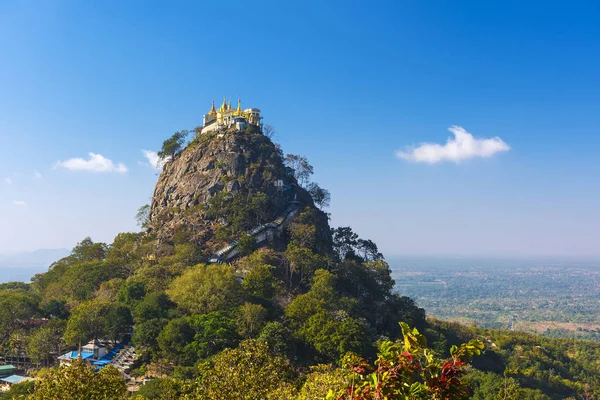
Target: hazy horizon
{"points": [[21, 267]]}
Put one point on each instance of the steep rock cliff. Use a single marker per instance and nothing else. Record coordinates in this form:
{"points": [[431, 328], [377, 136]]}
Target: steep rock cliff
{"points": [[221, 185]]}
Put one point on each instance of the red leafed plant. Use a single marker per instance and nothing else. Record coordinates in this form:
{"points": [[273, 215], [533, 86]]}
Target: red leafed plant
{"points": [[408, 370]]}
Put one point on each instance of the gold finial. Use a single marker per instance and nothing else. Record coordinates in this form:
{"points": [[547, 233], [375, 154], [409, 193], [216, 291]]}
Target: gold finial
{"points": [[212, 109], [239, 109], [229, 105], [224, 105]]}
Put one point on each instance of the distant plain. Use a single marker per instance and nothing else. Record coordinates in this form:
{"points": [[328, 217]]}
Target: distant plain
{"points": [[557, 298]]}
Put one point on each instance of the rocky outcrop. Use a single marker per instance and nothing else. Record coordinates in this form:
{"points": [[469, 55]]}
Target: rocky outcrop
{"points": [[228, 164]]}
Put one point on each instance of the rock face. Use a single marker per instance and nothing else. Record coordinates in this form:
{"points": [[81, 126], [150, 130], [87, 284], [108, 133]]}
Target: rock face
{"points": [[226, 165]]}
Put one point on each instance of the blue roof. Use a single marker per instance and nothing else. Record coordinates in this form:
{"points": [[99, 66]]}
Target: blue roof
{"points": [[75, 354], [101, 362], [14, 379], [84, 354]]}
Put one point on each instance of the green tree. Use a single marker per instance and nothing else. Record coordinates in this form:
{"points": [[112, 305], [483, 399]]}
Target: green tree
{"points": [[246, 245], [323, 319], [88, 321], [303, 262], [173, 145], [320, 196], [260, 283], [205, 288], [301, 167], [248, 372], [213, 332], [15, 306], [153, 305], [56, 309], [344, 241], [145, 333], [303, 235], [250, 319], [278, 338], [18, 391], [79, 382], [45, 341], [174, 338], [143, 216], [333, 335], [87, 250], [163, 389], [322, 380], [131, 292], [118, 320]]}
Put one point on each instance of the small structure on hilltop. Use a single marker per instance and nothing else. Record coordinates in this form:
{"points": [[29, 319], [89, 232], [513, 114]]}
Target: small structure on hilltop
{"points": [[226, 117]]}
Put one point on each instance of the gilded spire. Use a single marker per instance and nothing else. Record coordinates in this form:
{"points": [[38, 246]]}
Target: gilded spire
{"points": [[229, 106], [224, 105], [212, 109], [239, 109]]}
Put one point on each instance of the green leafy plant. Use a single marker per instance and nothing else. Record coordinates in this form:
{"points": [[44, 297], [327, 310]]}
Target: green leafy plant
{"points": [[408, 370]]}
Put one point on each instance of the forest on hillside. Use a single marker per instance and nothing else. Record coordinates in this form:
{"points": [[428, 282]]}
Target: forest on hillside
{"points": [[311, 315]]}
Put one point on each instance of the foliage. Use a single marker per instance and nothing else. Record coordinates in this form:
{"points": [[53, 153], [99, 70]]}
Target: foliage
{"points": [[246, 245], [45, 341], [260, 283], [348, 245], [206, 288], [301, 167], [248, 372], [408, 370], [174, 338], [56, 309], [213, 332], [320, 196], [322, 380], [269, 131], [79, 382], [87, 250], [278, 338], [18, 391], [241, 211], [323, 320], [143, 216], [302, 262], [15, 306], [87, 322], [130, 292], [173, 145], [250, 319], [163, 389]]}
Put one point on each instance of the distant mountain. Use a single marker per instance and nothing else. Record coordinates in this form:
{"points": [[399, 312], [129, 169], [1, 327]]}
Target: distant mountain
{"points": [[23, 266]]}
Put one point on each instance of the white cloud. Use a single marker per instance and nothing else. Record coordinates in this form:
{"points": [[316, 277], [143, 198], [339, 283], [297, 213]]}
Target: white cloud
{"points": [[96, 163], [19, 203], [37, 175], [8, 181], [154, 160], [462, 147]]}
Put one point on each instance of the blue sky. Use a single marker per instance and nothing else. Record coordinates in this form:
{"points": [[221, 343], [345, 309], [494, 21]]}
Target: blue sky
{"points": [[348, 84]]}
